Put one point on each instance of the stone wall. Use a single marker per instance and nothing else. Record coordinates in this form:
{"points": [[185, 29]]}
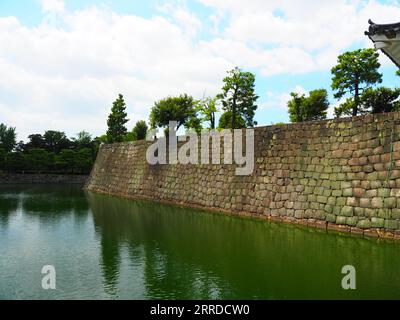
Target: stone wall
{"points": [[42, 179], [341, 174]]}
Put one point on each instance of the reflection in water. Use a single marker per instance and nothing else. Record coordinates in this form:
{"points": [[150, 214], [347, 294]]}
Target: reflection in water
{"points": [[189, 254], [9, 205], [44, 202], [53, 205], [105, 247], [150, 232], [110, 262]]}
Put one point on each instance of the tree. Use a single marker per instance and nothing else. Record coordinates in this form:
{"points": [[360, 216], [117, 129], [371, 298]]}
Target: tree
{"points": [[181, 109], [355, 72], [3, 154], [83, 140], [194, 123], [39, 160], [50, 152], [208, 108], [8, 138], [55, 141], [15, 162], [346, 108], [65, 160], [377, 100], [116, 121], [225, 122], [83, 160], [36, 141], [381, 100], [100, 140], [295, 107], [140, 130], [129, 137], [238, 97], [308, 108]]}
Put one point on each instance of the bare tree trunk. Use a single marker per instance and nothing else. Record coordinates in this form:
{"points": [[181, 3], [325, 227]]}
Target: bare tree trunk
{"points": [[233, 120], [356, 101]]}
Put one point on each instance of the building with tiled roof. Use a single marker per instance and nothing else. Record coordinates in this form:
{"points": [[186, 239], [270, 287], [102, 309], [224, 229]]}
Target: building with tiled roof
{"points": [[386, 37]]}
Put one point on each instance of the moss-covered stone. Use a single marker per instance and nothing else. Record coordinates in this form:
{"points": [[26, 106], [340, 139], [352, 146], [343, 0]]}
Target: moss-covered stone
{"points": [[347, 211]]}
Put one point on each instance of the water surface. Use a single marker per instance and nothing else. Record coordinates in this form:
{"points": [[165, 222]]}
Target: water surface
{"points": [[109, 248]]}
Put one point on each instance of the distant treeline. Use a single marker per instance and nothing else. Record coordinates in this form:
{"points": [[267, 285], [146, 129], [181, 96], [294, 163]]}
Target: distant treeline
{"points": [[51, 152]]}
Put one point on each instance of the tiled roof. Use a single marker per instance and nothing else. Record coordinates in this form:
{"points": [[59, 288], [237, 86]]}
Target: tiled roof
{"points": [[386, 37]]}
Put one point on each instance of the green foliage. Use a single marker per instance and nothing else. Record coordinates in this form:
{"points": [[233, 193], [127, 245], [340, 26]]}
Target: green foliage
{"points": [[65, 160], [355, 72], [15, 162], [377, 100], [238, 97], [129, 137], [35, 141], [225, 122], [83, 139], [345, 109], [295, 107], [181, 109], [208, 109], [194, 124], [101, 139], [96, 144], [3, 155], [55, 141], [381, 100], [38, 160], [7, 137], [74, 161], [140, 130], [52, 141], [83, 160], [52, 152], [116, 121], [308, 108]]}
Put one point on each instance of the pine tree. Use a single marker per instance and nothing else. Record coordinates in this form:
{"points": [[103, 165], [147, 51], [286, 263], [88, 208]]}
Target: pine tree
{"points": [[355, 72], [238, 97], [116, 121]]}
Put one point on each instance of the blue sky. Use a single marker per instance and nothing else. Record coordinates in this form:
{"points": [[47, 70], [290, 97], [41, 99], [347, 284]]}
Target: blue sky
{"points": [[66, 61]]}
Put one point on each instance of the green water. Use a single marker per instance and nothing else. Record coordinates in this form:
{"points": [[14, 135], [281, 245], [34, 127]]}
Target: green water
{"points": [[110, 248]]}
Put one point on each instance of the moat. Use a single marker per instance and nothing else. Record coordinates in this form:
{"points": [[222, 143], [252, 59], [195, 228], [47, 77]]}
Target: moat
{"points": [[109, 248]]}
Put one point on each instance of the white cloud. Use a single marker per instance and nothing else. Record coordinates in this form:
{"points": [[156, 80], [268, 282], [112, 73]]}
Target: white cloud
{"points": [[322, 28], [67, 78], [52, 5], [184, 18]]}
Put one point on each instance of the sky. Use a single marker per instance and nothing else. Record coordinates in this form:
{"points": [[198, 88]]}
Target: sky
{"points": [[63, 63]]}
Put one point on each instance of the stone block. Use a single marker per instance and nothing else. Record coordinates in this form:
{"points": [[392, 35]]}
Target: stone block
{"points": [[377, 222], [358, 192], [341, 220], [347, 211], [391, 224], [390, 202], [364, 224], [377, 203]]}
